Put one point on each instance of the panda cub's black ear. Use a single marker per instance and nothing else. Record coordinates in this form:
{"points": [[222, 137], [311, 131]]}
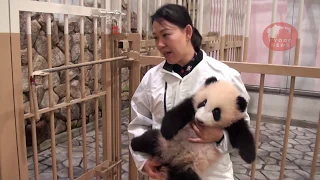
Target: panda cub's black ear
{"points": [[242, 103], [210, 80]]}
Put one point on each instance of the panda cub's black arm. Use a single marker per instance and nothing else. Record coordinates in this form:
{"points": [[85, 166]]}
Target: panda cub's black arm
{"points": [[177, 117], [148, 142], [242, 139]]}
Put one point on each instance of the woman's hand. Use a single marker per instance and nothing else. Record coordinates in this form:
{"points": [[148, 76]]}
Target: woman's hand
{"points": [[150, 167], [206, 134]]}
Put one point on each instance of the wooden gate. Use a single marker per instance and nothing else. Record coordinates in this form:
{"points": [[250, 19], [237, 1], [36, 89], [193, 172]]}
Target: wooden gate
{"points": [[35, 54]]}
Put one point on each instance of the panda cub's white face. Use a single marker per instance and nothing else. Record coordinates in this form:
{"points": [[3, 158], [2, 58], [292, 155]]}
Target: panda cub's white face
{"points": [[217, 104]]}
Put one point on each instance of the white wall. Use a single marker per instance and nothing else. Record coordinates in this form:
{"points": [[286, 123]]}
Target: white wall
{"points": [[310, 42], [304, 108]]}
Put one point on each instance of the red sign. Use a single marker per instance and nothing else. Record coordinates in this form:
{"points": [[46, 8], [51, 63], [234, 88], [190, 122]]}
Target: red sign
{"points": [[284, 37]]}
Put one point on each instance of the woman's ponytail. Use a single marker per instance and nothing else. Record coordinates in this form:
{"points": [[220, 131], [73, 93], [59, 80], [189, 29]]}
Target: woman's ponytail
{"points": [[196, 39]]}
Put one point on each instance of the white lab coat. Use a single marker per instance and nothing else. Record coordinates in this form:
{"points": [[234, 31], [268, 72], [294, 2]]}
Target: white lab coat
{"points": [[148, 105]]}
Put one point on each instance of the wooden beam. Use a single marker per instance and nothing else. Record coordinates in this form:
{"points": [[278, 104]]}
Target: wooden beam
{"points": [[275, 69]]}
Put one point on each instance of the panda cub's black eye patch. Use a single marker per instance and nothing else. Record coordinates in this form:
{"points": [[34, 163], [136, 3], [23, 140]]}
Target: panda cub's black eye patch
{"points": [[203, 103], [216, 114]]}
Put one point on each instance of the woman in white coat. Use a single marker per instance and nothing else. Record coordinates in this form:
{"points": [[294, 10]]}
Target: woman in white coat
{"points": [[184, 70]]}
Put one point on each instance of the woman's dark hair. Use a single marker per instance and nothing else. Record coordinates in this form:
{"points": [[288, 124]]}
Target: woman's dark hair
{"points": [[178, 15]]}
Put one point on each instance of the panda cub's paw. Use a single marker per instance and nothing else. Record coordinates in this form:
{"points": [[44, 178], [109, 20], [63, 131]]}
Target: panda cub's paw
{"points": [[210, 80], [168, 129], [177, 117]]}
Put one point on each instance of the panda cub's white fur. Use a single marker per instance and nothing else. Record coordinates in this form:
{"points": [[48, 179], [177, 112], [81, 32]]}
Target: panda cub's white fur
{"points": [[218, 104], [222, 95], [180, 152]]}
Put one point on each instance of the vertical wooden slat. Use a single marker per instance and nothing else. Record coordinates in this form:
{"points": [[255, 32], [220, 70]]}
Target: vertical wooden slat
{"points": [[129, 16], [106, 86], [297, 50], [258, 122], [193, 12], [96, 91], [216, 27], [197, 14], [148, 20], [220, 25], [229, 29], [134, 73], [316, 152], [119, 73], [291, 94], [232, 27], [83, 104], [67, 60], [119, 133], [262, 77], [51, 102], [238, 25], [212, 17], [247, 29], [119, 19], [273, 20], [287, 128], [242, 30], [31, 94], [134, 80], [236, 28], [223, 31], [200, 16], [155, 5], [139, 17], [113, 107], [116, 93]]}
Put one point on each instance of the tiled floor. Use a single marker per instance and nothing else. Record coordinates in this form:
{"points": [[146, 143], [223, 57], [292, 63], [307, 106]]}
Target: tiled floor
{"points": [[298, 165]]}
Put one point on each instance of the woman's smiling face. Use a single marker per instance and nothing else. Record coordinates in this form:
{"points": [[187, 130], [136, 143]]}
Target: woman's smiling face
{"points": [[172, 41]]}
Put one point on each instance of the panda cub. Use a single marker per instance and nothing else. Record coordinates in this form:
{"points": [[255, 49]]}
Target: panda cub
{"points": [[217, 103]]}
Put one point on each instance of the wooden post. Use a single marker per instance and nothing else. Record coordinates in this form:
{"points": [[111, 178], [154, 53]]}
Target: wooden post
{"points": [[8, 131], [106, 86], [134, 82]]}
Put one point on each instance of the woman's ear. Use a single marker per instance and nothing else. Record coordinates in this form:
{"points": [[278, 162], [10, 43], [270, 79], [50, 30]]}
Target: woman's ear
{"points": [[189, 31]]}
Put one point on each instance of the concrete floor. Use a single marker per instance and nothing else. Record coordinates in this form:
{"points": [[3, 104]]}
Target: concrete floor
{"points": [[298, 165]]}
